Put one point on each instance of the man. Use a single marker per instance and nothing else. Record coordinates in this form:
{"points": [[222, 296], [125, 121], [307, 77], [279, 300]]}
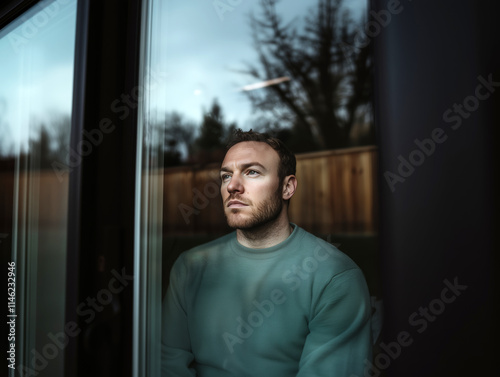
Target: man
{"points": [[270, 299]]}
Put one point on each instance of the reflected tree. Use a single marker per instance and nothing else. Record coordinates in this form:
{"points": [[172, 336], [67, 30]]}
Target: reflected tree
{"points": [[213, 137], [40, 149], [178, 140], [6, 147], [50, 142], [327, 92], [61, 135], [181, 141]]}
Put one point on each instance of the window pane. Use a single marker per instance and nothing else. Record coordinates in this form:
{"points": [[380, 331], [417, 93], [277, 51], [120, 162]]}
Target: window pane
{"points": [[149, 185], [300, 70], [37, 56]]}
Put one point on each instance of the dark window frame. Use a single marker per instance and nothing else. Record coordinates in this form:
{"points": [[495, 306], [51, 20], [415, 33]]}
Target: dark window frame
{"points": [[11, 10], [101, 210]]}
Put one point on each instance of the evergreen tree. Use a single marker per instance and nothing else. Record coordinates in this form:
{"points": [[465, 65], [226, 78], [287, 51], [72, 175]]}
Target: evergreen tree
{"points": [[212, 129], [213, 137]]}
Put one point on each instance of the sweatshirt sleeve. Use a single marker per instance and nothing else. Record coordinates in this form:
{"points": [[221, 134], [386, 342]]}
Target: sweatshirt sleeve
{"points": [[339, 339], [176, 354]]}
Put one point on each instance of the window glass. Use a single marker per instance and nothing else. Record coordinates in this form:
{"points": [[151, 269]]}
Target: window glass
{"points": [[36, 60], [300, 70]]}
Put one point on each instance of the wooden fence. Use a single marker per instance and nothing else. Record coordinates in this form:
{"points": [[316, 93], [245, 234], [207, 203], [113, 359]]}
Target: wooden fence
{"points": [[42, 191], [336, 194]]}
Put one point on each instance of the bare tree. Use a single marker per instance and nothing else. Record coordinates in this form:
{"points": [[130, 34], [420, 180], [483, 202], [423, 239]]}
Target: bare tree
{"points": [[324, 93]]}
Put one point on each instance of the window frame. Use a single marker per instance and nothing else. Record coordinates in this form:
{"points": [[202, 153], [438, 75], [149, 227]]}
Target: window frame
{"points": [[101, 201]]}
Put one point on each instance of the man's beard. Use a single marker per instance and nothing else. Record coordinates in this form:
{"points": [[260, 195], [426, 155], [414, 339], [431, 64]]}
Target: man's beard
{"points": [[266, 212]]}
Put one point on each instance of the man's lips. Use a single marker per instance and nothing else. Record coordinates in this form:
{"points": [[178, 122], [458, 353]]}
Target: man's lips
{"points": [[236, 204]]}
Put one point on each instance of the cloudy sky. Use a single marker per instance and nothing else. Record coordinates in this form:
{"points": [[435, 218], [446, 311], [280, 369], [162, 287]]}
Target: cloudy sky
{"points": [[205, 48], [196, 51], [36, 69]]}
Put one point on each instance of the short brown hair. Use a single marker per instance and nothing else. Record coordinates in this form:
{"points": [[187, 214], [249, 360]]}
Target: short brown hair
{"points": [[288, 163]]}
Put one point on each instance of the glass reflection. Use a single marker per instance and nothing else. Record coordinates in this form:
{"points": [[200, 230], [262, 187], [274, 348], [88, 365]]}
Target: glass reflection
{"points": [[36, 56], [292, 68]]}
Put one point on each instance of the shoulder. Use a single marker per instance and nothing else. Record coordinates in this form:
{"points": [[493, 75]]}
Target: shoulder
{"points": [[317, 250], [328, 273], [325, 251]]}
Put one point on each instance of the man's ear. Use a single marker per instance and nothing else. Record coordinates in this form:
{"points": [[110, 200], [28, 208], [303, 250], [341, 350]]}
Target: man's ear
{"points": [[289, 186]]}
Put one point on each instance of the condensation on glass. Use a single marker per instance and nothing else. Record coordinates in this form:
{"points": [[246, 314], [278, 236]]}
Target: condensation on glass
{"points": [[36, 60]]}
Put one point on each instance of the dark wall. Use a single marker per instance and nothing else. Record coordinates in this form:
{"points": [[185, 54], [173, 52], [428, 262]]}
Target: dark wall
{"points": [[433, 62], [102, 188]]}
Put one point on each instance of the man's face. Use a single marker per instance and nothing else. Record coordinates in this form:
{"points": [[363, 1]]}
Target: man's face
{"points": [[251, 190]]}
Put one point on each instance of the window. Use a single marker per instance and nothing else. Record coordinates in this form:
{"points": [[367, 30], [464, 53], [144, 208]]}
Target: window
{"points": [[210, 67], [37, 58]]}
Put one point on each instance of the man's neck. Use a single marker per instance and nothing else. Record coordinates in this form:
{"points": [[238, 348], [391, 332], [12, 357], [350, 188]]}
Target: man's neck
{"points": [[267, 235]]}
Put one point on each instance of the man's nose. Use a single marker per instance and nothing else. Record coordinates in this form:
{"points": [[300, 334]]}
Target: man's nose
{"points": [[236, 184]]}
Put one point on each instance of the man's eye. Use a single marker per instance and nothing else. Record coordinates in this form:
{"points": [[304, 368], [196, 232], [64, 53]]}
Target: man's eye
{"points": [[253, 172], [225, 177]]}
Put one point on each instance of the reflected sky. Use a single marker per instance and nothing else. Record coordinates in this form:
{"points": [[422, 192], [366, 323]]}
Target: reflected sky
{"points": [[36, 74], [204, 48], [207, 49]]}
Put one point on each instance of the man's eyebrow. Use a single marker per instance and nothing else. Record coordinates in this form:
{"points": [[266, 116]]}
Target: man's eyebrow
{"points": [[244, 166]]}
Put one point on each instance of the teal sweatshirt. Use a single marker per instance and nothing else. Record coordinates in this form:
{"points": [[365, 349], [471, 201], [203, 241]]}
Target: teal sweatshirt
{"points": [[299, 308]]}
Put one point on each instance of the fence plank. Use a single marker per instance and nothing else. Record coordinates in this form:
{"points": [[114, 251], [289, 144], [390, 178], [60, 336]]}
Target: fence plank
{"points": [[336, 194]]}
